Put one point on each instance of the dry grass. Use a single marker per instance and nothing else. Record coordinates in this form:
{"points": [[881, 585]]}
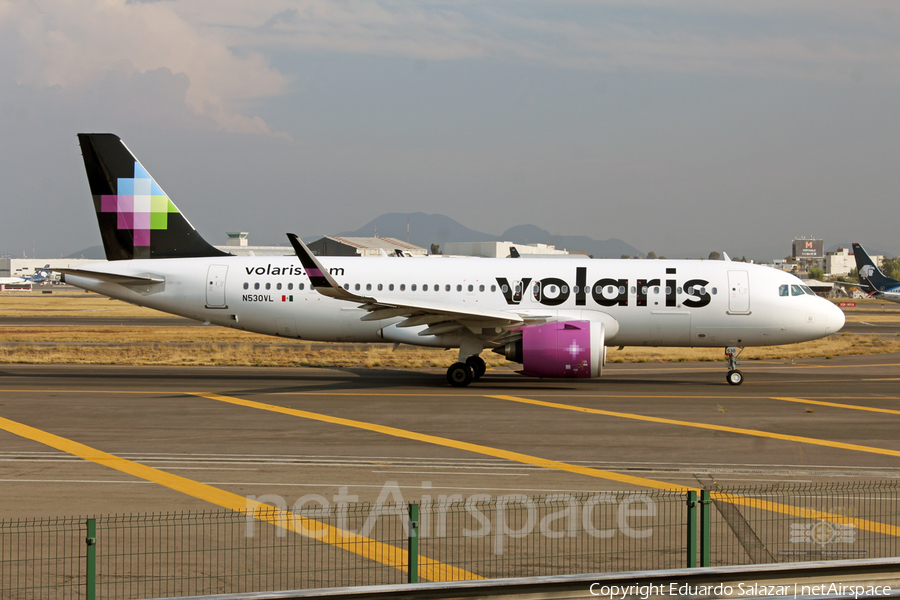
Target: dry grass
{"points": [[209, 345], [71, 303]]}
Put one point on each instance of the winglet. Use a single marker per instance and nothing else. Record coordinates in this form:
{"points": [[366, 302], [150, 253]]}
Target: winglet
{"points": [[319, 277]]}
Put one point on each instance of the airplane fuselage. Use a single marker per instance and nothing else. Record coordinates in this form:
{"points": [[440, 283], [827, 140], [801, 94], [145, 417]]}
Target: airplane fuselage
{"points": [[641, 302]]}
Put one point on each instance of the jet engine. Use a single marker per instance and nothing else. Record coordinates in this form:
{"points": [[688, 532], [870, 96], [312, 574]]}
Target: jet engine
{"points": [[558, 350]]}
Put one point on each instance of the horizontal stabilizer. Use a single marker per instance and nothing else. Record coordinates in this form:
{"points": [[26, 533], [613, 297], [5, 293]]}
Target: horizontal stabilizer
{"points": [[127, 280]]}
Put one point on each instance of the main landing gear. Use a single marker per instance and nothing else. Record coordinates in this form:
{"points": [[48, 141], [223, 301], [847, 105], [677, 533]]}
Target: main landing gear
{"points": [[734, 376], [462, 374]]}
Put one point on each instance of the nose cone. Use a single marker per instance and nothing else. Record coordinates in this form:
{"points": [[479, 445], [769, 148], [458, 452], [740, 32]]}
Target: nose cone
{"points": [[833, 318]]}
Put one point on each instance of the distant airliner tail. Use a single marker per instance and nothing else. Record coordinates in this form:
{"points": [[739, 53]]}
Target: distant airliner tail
{"points": [[137, 219], [868, 271]]}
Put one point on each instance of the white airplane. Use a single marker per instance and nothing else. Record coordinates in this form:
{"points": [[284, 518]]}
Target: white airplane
{"points": [[555, 317]]}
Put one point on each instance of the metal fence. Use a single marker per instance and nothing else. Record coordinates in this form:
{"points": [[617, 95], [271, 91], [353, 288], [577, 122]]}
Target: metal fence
{"points": [[144, 556]]}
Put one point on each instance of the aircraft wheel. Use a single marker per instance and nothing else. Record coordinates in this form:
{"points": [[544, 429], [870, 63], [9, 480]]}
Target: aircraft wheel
{"points": [[478, 366], [460, 375], [735, 377]]}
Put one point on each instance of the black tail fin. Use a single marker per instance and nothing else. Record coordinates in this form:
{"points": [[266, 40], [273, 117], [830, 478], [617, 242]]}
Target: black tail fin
{"points": [[869, 271], [137, 219]]}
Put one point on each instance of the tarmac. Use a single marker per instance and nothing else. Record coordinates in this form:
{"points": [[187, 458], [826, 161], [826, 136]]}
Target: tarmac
{"points": [[86, 440]]}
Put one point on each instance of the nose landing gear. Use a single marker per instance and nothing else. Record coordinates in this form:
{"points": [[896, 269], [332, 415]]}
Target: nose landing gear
{"points": [[734, 376]]}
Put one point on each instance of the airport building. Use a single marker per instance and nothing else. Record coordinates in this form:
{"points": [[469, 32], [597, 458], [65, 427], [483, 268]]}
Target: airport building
{"points": [[238, 245], [364, 246], [500, 249], [26, 267]]}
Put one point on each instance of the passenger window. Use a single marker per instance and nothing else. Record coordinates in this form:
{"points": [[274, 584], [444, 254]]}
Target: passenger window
{"points": [[633, 290], [346, 286], [290, 286], [796, 290], [644, 290], [447, 287], [493, 288], [621, 289], [565, 289], [715, 291], [425, 287], [471, 287], [278, 286], [458, 288], [402, 287], [391, 287], [268, 286], [784, 290], [504, 289], [575, 289], [256, 286], [368, 287], [246, 286], [301, 286], [551, 289], [356, 287], [413, 287], [668, 290], [678, 290], [655, 290], [480, 288], [380, 286]]}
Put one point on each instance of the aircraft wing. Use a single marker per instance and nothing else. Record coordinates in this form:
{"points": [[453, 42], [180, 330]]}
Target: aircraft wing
{"points": [[494, 325]]}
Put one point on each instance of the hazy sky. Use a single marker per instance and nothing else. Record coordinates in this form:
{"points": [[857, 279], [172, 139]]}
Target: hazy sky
{"points": [[679, 127]]}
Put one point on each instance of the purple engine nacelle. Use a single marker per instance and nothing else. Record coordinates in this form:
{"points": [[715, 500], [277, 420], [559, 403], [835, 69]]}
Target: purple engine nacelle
{"points": [[561, 349]]}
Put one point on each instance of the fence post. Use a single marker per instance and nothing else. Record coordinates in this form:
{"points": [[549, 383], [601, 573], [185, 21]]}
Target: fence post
{"points": [[691, 529], [412, 576], [90, 591], [705, 526]]}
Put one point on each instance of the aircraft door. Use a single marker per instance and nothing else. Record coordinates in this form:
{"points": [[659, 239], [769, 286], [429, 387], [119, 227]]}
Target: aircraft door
{"points": [[215, 286], [738, 292]]}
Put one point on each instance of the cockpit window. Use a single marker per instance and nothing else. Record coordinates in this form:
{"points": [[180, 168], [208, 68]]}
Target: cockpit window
{"points": [[796, 290], [807, 289], [784, 290]]}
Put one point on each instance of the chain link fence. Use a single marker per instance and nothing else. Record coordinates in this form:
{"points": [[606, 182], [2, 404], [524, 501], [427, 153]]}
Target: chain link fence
{"points": [[453, 538]]}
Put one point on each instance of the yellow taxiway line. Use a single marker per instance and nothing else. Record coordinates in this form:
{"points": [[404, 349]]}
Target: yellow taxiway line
{"points": [[725, 428], [366, 547], [793, 511]]}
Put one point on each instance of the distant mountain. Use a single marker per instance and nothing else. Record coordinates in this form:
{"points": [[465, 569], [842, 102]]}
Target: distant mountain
{"points": [[92, 253], [425, 229], [531, 234]]}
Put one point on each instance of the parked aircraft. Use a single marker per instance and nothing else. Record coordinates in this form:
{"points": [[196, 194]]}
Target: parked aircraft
{"points": [[876, 283], [554, 317], [13, 281], [39, 276]]}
